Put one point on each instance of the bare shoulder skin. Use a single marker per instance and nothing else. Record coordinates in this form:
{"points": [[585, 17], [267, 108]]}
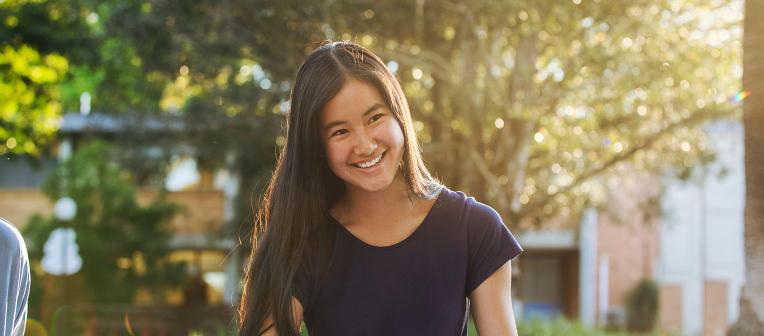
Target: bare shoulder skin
{"points": [[296, 316]]}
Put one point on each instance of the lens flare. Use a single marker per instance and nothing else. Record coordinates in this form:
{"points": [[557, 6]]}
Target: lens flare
{"points": [[738, 97]]}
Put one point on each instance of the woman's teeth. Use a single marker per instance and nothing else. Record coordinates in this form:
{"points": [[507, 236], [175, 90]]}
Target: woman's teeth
{"points": [[370, 163]]}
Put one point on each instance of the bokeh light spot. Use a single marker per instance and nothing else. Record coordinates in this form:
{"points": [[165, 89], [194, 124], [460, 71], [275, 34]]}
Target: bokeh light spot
{"points": [[499, 123], [417, 73], [393, 66], [11, 143]]}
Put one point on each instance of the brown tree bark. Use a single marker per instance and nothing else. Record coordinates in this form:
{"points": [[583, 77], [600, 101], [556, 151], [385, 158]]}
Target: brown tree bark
{"points": [[751, 320]]}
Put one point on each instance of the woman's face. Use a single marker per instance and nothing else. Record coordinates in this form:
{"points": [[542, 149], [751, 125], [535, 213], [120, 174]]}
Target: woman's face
{"points": [[362, 138]]}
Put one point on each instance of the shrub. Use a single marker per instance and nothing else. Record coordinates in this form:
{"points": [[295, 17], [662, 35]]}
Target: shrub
{"points": [[642, 306]]}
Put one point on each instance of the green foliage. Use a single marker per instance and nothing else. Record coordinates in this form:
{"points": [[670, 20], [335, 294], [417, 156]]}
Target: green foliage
{"points": [[82, 78], [561, 327], [642, 306], [122, 243], [28, 91], [38, 41], [53, 51]]}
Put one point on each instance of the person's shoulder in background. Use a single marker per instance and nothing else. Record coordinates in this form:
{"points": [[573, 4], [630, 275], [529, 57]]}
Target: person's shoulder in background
{"points": [[10, 240], [14, 288]]}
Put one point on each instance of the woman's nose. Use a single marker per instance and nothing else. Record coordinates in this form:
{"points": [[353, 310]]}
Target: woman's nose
{"points": [[364, 145]]}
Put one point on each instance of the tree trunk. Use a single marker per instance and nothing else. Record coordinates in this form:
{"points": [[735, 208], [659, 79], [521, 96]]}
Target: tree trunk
{"points": [[751, 320]]}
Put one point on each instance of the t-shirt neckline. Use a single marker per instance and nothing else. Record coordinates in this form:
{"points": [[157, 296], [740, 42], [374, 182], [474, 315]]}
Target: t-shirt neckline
{"points": [[420, 227]]}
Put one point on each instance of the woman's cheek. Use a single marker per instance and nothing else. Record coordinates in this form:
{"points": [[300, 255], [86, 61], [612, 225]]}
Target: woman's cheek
{"points": [[337, 153], [397, 133]]}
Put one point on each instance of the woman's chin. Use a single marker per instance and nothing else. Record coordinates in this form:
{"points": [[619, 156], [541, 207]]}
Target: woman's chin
{"points": [[371, 187]]}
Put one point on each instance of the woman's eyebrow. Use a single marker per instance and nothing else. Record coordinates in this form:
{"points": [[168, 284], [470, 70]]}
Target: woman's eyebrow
{"points": [[371, 109]]}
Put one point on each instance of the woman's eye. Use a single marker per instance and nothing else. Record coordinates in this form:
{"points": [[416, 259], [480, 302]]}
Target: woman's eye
{"points": [[376, 117], [339, 132]]}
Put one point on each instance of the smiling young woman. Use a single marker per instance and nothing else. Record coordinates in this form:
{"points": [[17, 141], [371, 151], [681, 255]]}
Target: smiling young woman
{"points": [[354, 236], [363, 140]]}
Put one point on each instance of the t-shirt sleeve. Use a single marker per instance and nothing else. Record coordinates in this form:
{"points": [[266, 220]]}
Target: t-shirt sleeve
{"points": [[490, 244]]}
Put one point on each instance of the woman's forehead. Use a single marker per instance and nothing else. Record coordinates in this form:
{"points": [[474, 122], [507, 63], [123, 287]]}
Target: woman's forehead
{"points": [[354, 100]]}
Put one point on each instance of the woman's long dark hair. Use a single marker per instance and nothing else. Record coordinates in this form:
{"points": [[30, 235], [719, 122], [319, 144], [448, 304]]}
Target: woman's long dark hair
{"points": [[292, 221]]}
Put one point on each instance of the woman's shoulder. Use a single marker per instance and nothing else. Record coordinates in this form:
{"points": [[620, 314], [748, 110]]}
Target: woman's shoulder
{"points": [[13, 251], [10, 238], [460, 199], [460, 205]]}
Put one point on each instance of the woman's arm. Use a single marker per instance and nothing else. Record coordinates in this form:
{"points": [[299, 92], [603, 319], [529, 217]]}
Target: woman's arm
{"points": [[491, 304], [269, 329]]}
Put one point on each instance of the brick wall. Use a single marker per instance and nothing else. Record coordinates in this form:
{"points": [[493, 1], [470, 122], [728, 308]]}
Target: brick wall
{"points": [[627, 235], [715, 308], [714, 311], [632, 251], [670, 308], [19, 205], [200, 212]]}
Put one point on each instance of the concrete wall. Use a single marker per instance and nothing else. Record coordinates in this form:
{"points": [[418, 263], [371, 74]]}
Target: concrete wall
{"points": [[701, 236]]}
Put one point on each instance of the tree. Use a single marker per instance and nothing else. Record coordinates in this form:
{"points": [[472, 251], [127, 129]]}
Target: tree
{"points": [[751, 320], [524, 104], [28, 90], [123, 245], [37, 41], [530, 109], [53, 51]]}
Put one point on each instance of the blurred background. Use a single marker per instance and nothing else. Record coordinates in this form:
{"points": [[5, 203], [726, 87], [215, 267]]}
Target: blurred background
{"points": [[136, 138]]}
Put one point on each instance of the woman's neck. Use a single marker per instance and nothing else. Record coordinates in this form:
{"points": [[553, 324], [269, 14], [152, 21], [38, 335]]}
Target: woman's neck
{"points": [[375, 207]]}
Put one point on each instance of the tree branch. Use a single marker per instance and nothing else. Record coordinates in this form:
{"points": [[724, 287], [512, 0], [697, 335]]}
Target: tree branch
{"points": [[699, 116]]}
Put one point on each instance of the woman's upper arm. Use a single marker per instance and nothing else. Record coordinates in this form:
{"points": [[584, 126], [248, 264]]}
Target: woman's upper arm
{"points": [[491, 304], [297, 311]]}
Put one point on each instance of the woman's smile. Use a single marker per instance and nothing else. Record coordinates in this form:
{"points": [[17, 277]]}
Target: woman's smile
{"points": [[370, 165]]}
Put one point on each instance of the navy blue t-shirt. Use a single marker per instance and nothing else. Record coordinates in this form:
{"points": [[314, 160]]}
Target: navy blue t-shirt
{"points": [[418, 286]]}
